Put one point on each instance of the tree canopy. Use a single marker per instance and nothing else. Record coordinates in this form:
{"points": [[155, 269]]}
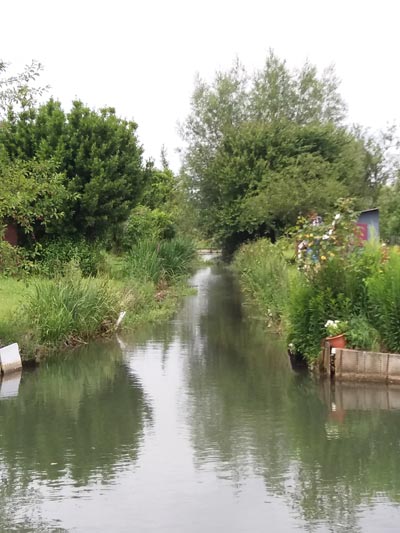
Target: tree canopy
{"points": [[262, 149], [97, 153]]}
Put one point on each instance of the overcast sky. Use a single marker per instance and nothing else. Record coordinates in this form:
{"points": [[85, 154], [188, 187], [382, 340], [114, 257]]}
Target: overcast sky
{"points": [[141, 56]]}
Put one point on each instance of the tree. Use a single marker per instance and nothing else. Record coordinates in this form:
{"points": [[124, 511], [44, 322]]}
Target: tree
{"points": [[103, 165], [214, 108], [19, 90], [262, 149], [97, 152], [264, 175], [158, 186], [273, 94], [301, 96]]}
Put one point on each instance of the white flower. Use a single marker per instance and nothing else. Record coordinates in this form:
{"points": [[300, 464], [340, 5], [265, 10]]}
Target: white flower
{"points": [[337, 216]]}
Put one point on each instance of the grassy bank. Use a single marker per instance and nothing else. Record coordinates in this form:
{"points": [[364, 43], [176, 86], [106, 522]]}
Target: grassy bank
{"points": [[45, 314]]}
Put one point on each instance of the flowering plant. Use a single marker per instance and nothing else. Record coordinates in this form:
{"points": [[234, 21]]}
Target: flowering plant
{"points": [[336, 327], [319, 242]]}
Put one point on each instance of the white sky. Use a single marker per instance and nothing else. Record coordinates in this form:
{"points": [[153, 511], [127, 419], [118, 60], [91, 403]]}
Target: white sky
{"points": [[141, 56]]}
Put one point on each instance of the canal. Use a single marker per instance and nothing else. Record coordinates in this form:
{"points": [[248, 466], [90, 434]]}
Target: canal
{"points": [[196, 425]]}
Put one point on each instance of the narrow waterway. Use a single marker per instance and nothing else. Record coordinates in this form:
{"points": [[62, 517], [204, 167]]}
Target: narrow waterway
{"points": [[196, 425]]}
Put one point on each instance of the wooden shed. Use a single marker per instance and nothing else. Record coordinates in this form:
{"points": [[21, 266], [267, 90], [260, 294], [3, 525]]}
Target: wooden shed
{"points": [[368, 222]]}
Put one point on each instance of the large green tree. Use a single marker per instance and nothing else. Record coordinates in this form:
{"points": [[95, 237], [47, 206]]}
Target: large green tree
{"points": [[97, 152], [264, 175], [274, 93], [262, 149]]}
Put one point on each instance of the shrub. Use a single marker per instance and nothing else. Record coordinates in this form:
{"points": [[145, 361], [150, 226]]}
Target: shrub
{"points": [[319, 242], [306, 314], [53, 257], [361, 335], [313, 302], [71, 309], [336, 290], [146, 224], [11, 258]]}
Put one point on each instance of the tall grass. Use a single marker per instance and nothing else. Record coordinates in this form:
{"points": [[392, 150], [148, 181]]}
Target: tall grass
{"points": [[70, 309], [264, 275], [155, 261], [384, 297], [177, 256], [338, 291], [143, 262]]}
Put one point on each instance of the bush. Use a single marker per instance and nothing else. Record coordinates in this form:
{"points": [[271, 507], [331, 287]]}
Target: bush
{"points": [[53, 257], [71, 309], [11, 259], [336, 291], [361, 335], [146, 224], [306, 316]]}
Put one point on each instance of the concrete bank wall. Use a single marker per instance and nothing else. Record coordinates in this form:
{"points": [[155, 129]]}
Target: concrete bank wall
{"points": [[356, 365]]}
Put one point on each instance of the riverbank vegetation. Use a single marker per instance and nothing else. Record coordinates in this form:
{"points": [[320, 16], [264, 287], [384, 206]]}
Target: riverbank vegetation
{"points": [[95, 220], [49, 309], [268, 154], [329, 276], [96, 229]]}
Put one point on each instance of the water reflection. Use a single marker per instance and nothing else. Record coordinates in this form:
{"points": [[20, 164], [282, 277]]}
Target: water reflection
{"points": [[251, 415], [9, 385], [197, 425], [76, 423]]}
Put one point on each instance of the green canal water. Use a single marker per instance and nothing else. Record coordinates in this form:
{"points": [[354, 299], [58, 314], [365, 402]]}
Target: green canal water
{"points": [[196, 425]]}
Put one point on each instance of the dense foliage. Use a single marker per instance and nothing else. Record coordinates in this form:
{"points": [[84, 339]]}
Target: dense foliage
{"points": [[96, 224], [33, 195], [96, 152], [263, 149], [330, 279]]}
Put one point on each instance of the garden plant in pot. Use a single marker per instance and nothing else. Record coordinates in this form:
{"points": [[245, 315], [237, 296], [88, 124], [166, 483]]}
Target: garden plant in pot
{"points": [[336, 330]]}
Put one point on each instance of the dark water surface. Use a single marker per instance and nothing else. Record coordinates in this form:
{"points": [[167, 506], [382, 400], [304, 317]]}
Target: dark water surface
{"points": [[197, 425]]}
